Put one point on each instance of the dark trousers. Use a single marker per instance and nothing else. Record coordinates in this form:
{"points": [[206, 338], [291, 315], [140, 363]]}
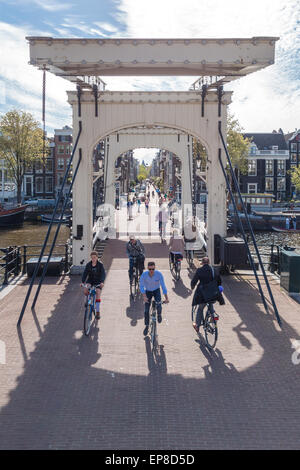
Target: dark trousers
{"points": [[199, 315], [157, 297], [139, 263]]}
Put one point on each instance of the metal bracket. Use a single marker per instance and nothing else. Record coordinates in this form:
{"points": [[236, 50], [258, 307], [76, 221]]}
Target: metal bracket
{"points": [[79, 93], [220, 93], [203, 95], [95, 93]]}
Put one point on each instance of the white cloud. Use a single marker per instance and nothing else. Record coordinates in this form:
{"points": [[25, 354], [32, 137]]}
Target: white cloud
{"points": [[106, 26], [265, 100], [146, 154], [23, 83]]}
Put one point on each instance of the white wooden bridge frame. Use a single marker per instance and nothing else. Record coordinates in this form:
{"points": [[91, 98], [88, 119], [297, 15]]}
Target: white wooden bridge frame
{"points": [[84, 60]]}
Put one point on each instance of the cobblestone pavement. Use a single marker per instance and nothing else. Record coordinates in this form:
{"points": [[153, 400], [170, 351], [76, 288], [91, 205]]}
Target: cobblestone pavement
{"points": [[62, 390]]}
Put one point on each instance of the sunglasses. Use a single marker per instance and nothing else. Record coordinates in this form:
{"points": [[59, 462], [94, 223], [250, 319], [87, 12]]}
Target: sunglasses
{"points": [[151, 269]]}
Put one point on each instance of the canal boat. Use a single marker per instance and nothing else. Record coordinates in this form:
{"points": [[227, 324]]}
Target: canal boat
{"points": [[285, 230], [13, 217], [46, 218]]}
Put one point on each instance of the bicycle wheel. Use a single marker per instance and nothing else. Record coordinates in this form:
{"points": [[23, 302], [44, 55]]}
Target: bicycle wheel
{"points": [[177, 270], [133, 284], [210, 330], [88, 319]]}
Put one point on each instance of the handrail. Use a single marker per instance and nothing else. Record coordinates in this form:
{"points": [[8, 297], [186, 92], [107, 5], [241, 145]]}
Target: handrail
{"points": [[249, 224], [56, 232], [50, 226]]}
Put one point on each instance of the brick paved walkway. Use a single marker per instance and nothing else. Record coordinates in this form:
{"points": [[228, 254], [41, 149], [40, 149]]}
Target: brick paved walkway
{"points": [[61, 390]]}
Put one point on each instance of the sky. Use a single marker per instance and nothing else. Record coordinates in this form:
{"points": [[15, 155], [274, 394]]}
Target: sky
{"points": [[263, 101]]}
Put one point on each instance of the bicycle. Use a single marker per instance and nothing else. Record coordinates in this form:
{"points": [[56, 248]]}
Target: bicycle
{"points": [[134, 282], [153, 326], [209, 323], [189, 257], [90, 310], [175, 266]]}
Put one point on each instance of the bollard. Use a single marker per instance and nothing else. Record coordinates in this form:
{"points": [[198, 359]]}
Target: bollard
{"points": [[66, 269], [5, 280], [24, 259]]}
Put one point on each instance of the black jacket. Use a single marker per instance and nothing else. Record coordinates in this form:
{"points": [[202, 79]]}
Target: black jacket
{"points": [[94, 275], [203, 276]]}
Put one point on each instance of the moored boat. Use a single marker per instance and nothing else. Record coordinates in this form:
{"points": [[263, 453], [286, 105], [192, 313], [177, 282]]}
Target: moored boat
{"points": [[285, 230], [46, 218], [13, 217]]}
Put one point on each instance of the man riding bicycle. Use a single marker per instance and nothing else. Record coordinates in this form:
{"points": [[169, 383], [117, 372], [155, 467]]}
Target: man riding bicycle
{"points": [[135, 252], [204, 276], [150, 283], [94, 275]]}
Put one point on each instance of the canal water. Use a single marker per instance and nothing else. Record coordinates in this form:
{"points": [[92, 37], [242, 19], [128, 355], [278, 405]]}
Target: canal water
{"points": [[32, 234]]}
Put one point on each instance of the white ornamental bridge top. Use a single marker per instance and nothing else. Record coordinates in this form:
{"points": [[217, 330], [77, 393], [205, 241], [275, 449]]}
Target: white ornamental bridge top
{"points": [[78, 58]]}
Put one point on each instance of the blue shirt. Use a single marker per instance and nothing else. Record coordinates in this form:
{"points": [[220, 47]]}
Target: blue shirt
{"points": [[152, 283]]}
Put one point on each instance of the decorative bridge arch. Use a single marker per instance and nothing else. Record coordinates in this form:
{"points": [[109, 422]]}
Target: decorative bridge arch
{"points": [[196, 113]]}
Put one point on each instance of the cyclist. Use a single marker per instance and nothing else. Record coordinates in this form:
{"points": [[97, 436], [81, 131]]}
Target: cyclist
{"points": [[176, 246], [94, 274], [135, 249], [150, 283], [204, 275], [162, 217]]}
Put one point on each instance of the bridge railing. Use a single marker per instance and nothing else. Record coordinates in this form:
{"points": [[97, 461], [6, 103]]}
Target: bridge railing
{"points": [[13, 262]]}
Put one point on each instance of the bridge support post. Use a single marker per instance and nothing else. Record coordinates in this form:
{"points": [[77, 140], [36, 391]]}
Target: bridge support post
{"points": [[82, 197]]}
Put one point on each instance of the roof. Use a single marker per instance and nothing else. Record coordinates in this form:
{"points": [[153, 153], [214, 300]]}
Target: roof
{"points": [[265, 141]]}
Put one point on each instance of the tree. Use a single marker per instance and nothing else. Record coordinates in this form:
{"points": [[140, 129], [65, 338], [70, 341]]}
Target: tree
{"points": [[21, 144], [143, 172], [295, 178], [238, 146]]}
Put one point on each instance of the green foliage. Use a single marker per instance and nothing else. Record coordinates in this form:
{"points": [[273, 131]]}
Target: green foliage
{"points": [[295, 178], [158, 181], [238, 146], [143, 172], [21, 144]]}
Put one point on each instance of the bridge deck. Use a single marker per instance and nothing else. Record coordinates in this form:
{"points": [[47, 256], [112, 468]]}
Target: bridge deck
{"points": [[62, 390]]}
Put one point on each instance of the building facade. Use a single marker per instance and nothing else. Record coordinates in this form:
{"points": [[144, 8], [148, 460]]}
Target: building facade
{"points": [[39, 177], [62, 150], [268, 166], [293, 143]]}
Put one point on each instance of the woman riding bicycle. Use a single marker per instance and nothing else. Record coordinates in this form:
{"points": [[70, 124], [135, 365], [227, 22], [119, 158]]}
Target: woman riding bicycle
{"points": [[204, 276], [94, 275], [176, 246]]}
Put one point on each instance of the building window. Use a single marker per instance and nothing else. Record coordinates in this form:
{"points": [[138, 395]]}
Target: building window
{"points": [[274, 147], [49, 165], [252, 167], [280, 184], [269, 167], [269, 184], [39, 166], [49, 184], [294, 158], [60, 164], [252, 188], [39, 184], [60, 179], [294, 147], [61, 149], [67, 149], [253, 149], [280, 168]]}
